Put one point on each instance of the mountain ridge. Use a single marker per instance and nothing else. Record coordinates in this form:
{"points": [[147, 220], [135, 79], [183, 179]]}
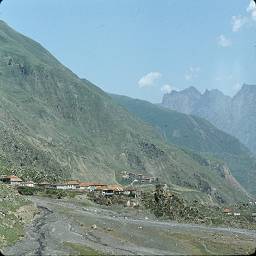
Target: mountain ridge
{"points": [[197, 134], [234, 115], [56, 126]]}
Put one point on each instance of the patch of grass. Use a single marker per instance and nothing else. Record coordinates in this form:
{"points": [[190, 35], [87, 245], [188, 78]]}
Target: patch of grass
{"points": [[82, 249], [11, 227]]}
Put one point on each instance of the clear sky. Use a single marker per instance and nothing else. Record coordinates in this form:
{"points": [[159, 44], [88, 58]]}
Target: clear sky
{"points": [[143, 48]]}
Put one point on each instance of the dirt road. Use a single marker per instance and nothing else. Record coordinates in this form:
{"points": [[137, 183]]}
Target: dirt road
{"points": [[66, 228]]}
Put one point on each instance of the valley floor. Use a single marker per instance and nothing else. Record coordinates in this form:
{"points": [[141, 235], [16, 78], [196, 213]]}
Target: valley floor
{"points": [[67, 227]]}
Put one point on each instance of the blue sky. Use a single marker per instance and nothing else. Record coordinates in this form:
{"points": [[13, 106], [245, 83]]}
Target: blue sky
{"points": [[143, 48]]}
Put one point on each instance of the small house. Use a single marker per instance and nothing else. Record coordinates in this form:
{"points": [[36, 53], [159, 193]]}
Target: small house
{"points": [[99, 186], [89, 186], [84, 185], [237, 213], [227, 211], [125, 176], [72, 184], [12, 180], [107, 191], [132, 175], [117, 189], [140, 177], [111, 190], [29, 184], [43, 184], [153, 179], [62, 186], [129, 192]]}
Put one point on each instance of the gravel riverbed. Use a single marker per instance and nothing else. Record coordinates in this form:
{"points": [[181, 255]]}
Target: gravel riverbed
{"points": [[66, 227]]}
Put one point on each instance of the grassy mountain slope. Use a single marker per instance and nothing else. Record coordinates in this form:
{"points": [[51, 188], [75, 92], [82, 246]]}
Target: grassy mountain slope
{"points": [[55, 125], [196, 134]]}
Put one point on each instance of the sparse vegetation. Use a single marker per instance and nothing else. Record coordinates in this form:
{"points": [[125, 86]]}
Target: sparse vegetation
{"points": [[52, 193], [166, 204], [11, 223], [80, 249]]}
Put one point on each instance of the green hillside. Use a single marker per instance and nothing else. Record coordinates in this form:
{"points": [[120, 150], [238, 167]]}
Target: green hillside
{"points": [[198, 135], [55, 125]]}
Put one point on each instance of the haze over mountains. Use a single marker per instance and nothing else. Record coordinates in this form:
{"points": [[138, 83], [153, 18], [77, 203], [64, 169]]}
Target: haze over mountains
{"points": [[196, 134], [55, 126], [234, 115]]}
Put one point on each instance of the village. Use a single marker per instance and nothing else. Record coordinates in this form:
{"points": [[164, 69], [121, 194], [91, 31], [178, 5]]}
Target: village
{"points": [[109, 190], [76, 185], [138, 178], [73, 185]]}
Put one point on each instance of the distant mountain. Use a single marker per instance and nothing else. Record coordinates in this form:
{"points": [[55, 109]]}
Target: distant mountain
{"points": [[54, 125], [234, 115], [196, 134], [243, 116], [184, 100]]}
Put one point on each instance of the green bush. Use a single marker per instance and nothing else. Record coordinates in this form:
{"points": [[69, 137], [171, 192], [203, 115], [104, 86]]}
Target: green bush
{"points": [[28, 191]]}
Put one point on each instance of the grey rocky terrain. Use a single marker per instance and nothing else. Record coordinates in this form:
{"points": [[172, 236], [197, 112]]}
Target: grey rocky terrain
{"points": [[67, 227]]}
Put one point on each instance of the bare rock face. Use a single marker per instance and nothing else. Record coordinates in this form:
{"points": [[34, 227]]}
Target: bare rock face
{"points": [[183, 101], [234, 115], [244, 116]]}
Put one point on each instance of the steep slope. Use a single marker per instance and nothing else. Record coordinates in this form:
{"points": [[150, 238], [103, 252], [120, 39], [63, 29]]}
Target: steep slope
{"points": [[56, 125], [236, 116], [215, 107], [198, 135], [243, 116]]}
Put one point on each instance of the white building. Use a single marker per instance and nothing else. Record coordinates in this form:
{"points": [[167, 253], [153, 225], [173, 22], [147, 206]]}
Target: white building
{"points": [[29, 184]]}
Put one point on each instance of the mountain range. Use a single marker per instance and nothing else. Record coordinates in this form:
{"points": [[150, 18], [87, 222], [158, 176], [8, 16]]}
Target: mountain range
{"points": [[55, 126], [235, 115], [196, 134]]}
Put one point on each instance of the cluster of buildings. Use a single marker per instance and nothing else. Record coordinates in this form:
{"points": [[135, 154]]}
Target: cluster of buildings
{"points": [[104, 189], [230, 211], [16, 181], [140, 178]]}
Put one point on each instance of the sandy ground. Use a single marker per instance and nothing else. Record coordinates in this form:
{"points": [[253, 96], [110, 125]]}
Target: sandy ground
{"points": [[122, 232]]}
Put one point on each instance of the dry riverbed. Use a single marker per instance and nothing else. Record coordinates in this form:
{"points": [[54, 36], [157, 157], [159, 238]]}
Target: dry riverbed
{"points": [[66, 227]]}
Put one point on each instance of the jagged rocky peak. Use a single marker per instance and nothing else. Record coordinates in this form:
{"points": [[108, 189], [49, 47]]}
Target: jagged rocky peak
{"points": [[246, 89], [182, 101], [187, 91], [214, 92], [213, 97], [192, 91], [236, 116], [249, 87]]}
